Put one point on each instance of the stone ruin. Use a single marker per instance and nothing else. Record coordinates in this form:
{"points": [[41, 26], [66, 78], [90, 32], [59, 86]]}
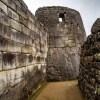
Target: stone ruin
{"points": [[23, 51], [47, 44], [89, 75], [66, 34]]}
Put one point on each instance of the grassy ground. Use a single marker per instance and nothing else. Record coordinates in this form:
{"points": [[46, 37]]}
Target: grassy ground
{"points": [[36, 93], [67, 90]]}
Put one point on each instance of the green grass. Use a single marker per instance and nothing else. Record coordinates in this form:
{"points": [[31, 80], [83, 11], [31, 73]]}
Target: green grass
{"points": [[36, 93]]}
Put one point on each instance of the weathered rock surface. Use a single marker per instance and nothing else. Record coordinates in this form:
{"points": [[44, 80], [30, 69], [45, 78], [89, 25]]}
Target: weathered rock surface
{"points": [[23, 51], [66, 34], [96, 26], [89, 75]]}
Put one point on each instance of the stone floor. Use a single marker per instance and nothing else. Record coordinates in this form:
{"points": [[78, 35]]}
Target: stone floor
{"points": [[67, 90]]}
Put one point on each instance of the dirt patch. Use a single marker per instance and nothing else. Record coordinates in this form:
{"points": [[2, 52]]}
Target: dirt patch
{"points": [[61, 91]]}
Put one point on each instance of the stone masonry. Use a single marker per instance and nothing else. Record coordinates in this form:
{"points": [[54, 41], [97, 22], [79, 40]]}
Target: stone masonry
{"points": [[23, 51], [89, 75], [66, 34], [43, 47]]}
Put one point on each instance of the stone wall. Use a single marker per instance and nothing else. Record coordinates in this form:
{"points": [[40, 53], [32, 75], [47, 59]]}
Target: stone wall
{"points": [[89, 77], [66, 34], [23, 51]]}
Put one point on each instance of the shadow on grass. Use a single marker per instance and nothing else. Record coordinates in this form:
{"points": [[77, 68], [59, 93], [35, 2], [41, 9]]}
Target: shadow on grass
{"points": [[37, 92]]}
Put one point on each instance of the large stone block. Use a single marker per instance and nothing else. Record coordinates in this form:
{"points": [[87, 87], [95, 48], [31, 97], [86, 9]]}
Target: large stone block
{"points": [[23, 4], [12, 5], [10, 46], [8, 60], [36, 37], [4, 19], [5, 1], [3, 7], [25, 30], [15, 93], [17, 36], [14, 24], [31, 17], [20, 75], [11, 77], [31, 70], [30, 59], [17, 2], [23, 21], [3, 82], [32, 34], [13, 14], [14, 47], [6, 32], [28, 41], [21, 60], [30, 24], [3, 44], [21, 13], [27, 49]]}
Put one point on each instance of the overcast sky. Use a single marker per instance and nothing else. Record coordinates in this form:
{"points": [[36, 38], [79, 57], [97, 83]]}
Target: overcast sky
{"points": [[89, 9]]}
